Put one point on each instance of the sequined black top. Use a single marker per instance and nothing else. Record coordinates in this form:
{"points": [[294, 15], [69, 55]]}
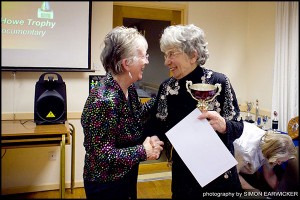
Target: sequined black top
{"points": [[112, 127]]}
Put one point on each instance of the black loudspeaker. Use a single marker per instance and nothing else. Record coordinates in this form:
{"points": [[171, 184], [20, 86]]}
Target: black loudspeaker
{"points": [[50, 102]]}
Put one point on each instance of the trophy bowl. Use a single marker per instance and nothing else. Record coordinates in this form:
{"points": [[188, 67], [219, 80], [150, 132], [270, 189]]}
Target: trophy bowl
{"points": [[203, 93]]}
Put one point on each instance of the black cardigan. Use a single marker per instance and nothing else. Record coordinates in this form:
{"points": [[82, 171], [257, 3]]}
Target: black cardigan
{"points": [[173, 104]]}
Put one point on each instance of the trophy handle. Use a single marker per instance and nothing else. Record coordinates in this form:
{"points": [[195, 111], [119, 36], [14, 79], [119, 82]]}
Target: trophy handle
{"points": [[188, 83], [217, 93]]}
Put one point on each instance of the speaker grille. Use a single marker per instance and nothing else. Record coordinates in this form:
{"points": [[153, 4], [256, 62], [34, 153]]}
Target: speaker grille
{"points": [[50, 106]]}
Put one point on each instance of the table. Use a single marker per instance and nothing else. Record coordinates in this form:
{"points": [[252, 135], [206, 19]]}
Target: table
{"points": [[26, 134]]}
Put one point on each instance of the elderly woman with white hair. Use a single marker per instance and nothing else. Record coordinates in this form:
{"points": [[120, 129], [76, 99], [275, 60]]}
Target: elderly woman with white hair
{"points": [[185, 51]]}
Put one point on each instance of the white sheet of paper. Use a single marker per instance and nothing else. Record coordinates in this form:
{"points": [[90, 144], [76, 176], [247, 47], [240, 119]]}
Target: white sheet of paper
{"points": [[200, 148]]}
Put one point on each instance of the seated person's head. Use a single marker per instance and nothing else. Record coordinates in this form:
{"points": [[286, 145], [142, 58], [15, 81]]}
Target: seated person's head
{"points": [[277, 148]]}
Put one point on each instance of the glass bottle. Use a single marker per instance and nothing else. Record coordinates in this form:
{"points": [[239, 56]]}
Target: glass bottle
{"points": [[275, 121]]}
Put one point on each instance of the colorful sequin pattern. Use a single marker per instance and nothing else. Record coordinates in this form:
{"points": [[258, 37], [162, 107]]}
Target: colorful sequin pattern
{"points": [[112, 127]]}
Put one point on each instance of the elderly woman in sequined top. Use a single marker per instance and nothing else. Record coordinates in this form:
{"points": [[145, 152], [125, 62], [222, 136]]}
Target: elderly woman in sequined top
{"points": [[113, 118], [186, 52]]}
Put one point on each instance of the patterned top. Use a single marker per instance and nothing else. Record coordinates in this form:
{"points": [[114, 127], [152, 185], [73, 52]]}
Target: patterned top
{"points": [[173, 104], [112, 127]]}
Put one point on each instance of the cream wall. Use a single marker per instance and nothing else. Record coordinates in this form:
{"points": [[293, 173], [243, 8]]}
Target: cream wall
{"points": [[225, 25], [260, 51], [240, 39]]}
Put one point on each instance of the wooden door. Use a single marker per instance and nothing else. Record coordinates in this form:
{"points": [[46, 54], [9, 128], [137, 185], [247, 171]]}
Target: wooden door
{"points": [[150, 18], [120, 12]]}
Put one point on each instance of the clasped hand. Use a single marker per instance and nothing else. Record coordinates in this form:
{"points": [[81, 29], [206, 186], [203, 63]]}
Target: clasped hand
{"points": [[153, 146]]}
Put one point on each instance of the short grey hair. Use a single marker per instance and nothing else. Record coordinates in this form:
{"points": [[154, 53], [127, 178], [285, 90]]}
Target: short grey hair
{"points": [[187, 38], [121, 42]]}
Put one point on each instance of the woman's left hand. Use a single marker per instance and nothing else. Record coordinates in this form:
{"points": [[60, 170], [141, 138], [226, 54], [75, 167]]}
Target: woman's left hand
{"points": [[215, 119], [156, 142]]}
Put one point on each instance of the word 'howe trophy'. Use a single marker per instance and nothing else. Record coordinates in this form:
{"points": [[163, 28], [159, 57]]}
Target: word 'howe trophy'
{"points": [[203, 93]]}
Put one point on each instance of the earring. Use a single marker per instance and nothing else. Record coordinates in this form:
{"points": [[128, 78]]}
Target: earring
{"points": [[130, 75]]}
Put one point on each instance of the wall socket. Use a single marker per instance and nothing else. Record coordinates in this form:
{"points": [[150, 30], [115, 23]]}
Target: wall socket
{"points": [[52, 155]]}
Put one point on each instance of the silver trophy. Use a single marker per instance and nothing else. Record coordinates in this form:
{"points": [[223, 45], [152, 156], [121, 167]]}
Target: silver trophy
{"points": [[249, 107], [203, 93]]}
